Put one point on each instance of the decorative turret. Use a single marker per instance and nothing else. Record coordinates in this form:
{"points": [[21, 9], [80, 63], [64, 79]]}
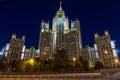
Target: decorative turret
{"points": [[106, 33], [96, 35], [13, 36], [23, 37]]}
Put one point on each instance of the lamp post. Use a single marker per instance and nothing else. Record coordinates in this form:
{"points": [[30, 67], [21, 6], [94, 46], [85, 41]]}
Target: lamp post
{"points": [[44, 53], [74, 61], [31, 62]]}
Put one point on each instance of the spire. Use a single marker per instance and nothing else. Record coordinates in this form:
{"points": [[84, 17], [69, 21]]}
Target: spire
{"points": [[60, 5], [60, 12]]}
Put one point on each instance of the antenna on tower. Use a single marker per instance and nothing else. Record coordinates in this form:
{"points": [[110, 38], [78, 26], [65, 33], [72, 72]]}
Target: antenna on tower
{"points": [[60, 5]]}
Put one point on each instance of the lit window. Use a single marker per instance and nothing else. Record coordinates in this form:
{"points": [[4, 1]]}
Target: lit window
{"points": [[42, 30], [116, 60]]}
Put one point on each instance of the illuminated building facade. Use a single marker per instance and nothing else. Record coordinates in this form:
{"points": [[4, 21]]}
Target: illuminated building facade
{"points": [[105, 48], [45, 43], [6, 49], [15, 49], [31, 53], [92, 55], [73, 42], [88, 53], [61, 36], [84, 53]]}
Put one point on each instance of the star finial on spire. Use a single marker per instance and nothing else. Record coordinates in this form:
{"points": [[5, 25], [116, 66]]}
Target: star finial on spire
{"points": [[60, 5]]}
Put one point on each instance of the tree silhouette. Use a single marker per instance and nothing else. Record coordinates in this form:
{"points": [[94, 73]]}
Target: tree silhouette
{"points": [[60, 61], [98, 65]]}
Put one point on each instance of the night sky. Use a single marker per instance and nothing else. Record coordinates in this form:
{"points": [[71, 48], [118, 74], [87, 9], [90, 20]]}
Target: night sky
{"points": [[25, 16]]}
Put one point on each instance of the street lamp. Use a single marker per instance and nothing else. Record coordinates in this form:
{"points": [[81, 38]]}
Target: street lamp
{"points": [[44, 53], [74, 60], [31, 61]]}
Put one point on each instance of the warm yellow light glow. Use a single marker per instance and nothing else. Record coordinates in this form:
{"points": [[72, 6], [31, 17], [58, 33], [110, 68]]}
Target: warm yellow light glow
{"points": [[44, 53], [74, 59], [106, 33], [23, 37], [106, 52], [31, 61], [13, 36], [96, 35], [116, 60]]}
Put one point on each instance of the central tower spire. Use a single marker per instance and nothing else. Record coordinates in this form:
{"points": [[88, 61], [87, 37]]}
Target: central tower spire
{"points": [[60, 5], [60, 12]]}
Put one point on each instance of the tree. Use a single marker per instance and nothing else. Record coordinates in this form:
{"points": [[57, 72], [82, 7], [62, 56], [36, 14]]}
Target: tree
{"points": [[60, 60], [25, 66], [78, 66], [21, 66], [37, 65], [85, 64], [4, 64], [47, 64], [98, 65], [13, 66], [32, 65], [28, 67]]}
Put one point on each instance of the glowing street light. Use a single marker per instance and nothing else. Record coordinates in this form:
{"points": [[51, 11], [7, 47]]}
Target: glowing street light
{"points": [[44, 53], [31, 61], [74, 60]]}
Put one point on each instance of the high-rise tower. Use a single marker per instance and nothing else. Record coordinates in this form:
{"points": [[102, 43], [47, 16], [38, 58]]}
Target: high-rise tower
{"points": [[45, 40], [105, 48], [15, 49], [61, 36], [59, 27]]}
